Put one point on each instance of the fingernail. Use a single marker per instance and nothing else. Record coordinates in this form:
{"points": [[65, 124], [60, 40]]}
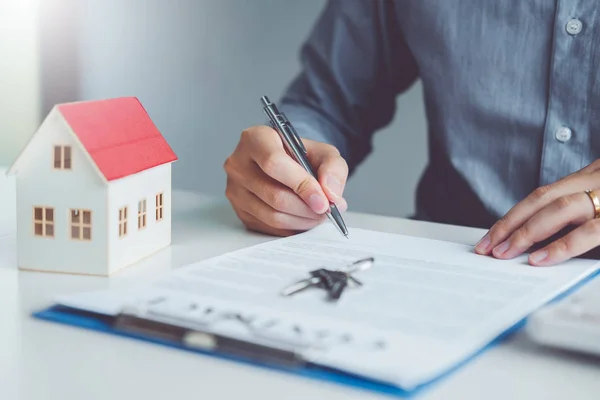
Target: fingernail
{"points": [[538, 256], [501, 248], [317, 203], [343, 205], [483, 244], [334, 185]]}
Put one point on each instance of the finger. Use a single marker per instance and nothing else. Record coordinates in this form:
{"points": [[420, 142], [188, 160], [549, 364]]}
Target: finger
{"points": [[255, 225], [573, 244], [533, 203], [250, 203], [275, 194], [331, 169], [259, 141], [590, 168], [572, 209], [271, 157]]}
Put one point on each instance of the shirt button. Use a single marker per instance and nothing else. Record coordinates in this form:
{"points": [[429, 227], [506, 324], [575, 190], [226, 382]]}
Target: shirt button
{"points": [[563, 134], [574, 26]]}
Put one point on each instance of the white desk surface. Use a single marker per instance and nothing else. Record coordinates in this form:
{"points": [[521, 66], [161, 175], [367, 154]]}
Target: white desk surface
{"points": [[47, 361]]}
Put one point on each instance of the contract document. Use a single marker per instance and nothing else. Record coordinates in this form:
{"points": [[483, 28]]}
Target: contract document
{"points": [[424, 306]]}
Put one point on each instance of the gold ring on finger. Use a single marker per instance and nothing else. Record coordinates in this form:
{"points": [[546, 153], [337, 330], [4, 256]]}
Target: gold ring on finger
{"points": [[595, 201]]}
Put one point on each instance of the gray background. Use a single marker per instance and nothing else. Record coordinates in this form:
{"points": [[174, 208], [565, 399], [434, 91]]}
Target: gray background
{"points": [[199, 68]]}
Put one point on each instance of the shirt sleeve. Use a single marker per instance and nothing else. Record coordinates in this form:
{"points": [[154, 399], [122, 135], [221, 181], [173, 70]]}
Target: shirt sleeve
{"points": [[353, 65]]}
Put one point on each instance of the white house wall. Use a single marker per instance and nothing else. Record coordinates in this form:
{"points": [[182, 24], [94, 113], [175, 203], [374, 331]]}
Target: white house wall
{"points": [[39, 184], [128, 191], [8, 204]]}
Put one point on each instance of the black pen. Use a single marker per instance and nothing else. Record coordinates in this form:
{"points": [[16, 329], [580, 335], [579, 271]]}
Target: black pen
{"points": [[296, 148]]}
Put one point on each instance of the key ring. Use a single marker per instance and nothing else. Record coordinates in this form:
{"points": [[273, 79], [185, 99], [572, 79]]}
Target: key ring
{"points": [[334, 281]]}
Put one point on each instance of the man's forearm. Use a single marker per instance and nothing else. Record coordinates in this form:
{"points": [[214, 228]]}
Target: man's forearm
{"points": [[311, 124], [349, 79]]}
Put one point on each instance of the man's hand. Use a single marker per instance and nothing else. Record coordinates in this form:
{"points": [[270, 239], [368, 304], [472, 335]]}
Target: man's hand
{"points": [[545, 212], [271, 193]]}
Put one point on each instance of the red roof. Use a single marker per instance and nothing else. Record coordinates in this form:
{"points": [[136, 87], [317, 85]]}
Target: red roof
{"points": [[118, 134]]}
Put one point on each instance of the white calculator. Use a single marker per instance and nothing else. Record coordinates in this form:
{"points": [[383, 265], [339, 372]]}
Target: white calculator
{"points": [[571, 323]]}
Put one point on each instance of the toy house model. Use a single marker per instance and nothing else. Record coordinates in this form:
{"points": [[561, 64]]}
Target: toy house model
{"points": [[93, 189]]}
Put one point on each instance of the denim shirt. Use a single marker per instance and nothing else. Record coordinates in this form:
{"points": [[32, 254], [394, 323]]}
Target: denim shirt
{"points": [[511, 90]]}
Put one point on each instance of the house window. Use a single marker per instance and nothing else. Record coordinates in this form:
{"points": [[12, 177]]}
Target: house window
{"points": [[142, 214], [62, 157], [159, 206], [123, 221], [81, 224], [43, 221]]}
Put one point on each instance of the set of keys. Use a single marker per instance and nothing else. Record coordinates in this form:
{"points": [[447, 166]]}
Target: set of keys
{"points": [[334, 281]]}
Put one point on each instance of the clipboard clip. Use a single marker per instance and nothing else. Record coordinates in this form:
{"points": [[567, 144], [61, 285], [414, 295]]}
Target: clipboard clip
{"points": [[206, 340]]}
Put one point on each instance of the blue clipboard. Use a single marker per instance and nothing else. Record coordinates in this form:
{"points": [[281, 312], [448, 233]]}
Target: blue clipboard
{"points": [[104, 323]]}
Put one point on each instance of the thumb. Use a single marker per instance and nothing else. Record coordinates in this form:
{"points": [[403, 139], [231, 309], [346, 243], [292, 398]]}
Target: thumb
{"points": [[331, 169]]}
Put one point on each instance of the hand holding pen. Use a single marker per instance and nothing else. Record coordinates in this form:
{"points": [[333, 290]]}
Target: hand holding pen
{"points": [[272, 193]]}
